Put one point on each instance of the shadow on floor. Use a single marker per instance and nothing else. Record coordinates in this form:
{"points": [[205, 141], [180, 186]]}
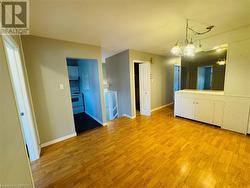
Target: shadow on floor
{"points": [[84, 122]]}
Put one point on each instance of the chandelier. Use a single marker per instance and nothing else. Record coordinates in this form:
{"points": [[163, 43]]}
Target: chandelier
{"points": [[188, 47]]}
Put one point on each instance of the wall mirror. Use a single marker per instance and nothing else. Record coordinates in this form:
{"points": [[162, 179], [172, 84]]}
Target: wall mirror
{"points": [[205, 70]]}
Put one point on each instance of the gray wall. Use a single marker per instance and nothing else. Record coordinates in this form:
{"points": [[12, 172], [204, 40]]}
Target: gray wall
{"points": [[14, 163], [89, 85], [117, 72], [47, 69], [162, 77]]}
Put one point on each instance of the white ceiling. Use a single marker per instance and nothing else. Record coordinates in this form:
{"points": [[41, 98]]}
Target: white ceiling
{"points": [[145, 25]]}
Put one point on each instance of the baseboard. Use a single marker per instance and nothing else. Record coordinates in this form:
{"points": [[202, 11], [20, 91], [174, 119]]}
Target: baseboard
{"points": [[128, 116], [163, 106], [58, 140], [95, 118]]}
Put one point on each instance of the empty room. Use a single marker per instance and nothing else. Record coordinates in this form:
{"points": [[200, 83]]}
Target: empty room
{"points": [[125, 93]]}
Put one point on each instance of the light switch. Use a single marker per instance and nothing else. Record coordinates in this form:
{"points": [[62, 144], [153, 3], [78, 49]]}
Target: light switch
{"points": [[61, 86]]}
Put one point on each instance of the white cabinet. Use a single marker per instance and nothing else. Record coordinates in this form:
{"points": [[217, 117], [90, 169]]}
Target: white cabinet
{"points": [[111, 104], [200, 109], [73, 72], [229, 112]]}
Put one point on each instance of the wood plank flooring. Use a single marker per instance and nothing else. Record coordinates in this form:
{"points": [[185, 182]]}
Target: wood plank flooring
{"points": [[156, 151]]}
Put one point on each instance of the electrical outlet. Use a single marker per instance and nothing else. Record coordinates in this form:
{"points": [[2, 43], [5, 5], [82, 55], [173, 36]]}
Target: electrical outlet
{"points": [[61, 86]]}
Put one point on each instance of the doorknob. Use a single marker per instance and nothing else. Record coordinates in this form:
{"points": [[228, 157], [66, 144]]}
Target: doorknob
{"points": [[22, 114]]}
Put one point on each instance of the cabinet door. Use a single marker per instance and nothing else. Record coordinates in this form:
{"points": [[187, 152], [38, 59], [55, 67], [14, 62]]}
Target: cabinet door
{"points": [[187, 108], [177, 104], [204, 110], [218, 113], [236, 115]]}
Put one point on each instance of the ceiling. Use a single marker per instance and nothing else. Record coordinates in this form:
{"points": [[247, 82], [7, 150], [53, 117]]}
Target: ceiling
{"points": [[146, 25]]}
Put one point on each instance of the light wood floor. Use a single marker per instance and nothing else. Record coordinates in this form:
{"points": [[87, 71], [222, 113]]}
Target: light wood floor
{"points": [[156, 151]]}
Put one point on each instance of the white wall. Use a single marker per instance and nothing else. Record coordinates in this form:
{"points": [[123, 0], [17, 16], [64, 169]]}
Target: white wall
{"points": [[237, 76], [89, 86]]}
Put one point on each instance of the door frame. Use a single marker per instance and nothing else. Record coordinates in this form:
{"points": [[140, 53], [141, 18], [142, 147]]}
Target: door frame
{"points": [[133, 85], [34, 147]]}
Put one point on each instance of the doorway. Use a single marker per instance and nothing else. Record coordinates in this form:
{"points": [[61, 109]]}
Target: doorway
{"points": [[204, 78], [85, 93], [15, 66], [142, 96], [137, 88], [177, 78]]}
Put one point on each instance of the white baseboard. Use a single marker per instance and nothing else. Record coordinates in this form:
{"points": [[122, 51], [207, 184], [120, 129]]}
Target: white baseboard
{"points": [[95, 118], [128, 116], [160, 107], [58, 140]]}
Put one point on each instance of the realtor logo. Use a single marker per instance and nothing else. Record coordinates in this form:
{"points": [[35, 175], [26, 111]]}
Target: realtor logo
{"points": [[15, 17]]}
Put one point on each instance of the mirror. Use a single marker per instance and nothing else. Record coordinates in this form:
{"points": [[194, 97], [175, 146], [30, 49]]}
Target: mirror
{"points": [[204, 71]]}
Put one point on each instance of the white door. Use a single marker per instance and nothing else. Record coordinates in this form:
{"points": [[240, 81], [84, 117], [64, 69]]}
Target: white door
{"points": [[144, 79], [22, 102], [204, 110]]}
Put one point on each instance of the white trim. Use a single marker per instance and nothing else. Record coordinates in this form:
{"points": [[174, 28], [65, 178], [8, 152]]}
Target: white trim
{"points": [[95, 118], [133, 86], [160, 107], [105, 124], [128, 116], [58, 140]]}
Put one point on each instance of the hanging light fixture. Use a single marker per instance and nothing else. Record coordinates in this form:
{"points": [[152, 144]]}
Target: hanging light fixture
{"points": [[189, 49]]}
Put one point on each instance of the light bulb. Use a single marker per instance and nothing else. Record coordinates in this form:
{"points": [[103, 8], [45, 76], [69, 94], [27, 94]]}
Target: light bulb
{"points": [[176, 50], [189, 50], [221, 62]]}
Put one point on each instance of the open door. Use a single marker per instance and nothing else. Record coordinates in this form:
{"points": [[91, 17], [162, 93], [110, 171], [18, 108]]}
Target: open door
{"points": [[22, 101], [144, 76]]}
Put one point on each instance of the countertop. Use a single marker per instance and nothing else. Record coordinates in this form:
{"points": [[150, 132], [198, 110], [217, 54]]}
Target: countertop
{"points": [[210, 92]]}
